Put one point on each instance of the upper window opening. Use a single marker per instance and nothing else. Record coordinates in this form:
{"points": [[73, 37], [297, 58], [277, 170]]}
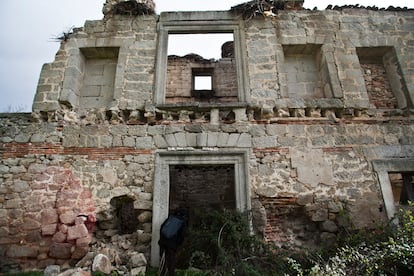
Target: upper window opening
{"points": [[201, 67], [98, 65], [217, 43], [383, 81], [306, 71]]}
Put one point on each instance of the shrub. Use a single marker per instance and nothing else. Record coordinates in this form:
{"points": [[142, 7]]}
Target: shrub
{"points": [[375, 254]]}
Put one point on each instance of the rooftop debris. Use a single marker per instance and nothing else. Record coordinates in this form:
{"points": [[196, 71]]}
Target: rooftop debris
{"points": [[372, 8], [192, 57], [132, 8], [265, 7]]}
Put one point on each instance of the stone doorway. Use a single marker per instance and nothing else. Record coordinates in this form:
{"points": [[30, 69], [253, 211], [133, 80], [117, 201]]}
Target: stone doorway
{"points": [[173, 167]]}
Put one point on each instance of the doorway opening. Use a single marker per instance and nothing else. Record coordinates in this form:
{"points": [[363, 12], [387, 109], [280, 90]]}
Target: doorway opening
{"points": [[205, 179]]}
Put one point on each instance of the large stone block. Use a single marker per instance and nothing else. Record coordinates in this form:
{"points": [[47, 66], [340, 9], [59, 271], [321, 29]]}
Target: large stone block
{"points": [[101, 263], [77, 231], [60, 250], [17, 251]]}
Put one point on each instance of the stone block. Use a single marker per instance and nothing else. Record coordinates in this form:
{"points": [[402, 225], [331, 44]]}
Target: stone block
{"points": [[77, 231], [276, 130], [51, 270], [137, 260], [144, 143], [67, 217], [222, 139], [180, 138], [38, 138], [143, 205], [319, 214], [329, 226], [160, 142], [245, 141], [49, 229], [78, 253], [17, 251], [145, 217], [156, 130], [305, 199], [171, 141], [138, 130], [233, 138], [312, 167], [49, 216], [60, 250], [212, 139], [265, 142], [31, 224], [101, 263], [128, 142], [191, 139], [83, 242], [202, 139], [59, 237], [20, 186]]}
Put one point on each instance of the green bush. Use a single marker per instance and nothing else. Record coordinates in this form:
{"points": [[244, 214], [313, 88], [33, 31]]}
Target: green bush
{"points": [[389, 251], [219, 242]]}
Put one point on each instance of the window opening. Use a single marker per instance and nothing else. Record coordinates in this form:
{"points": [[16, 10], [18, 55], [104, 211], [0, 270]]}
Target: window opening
{"points": [[99, 70], [202, 82], [402, 185], [383, 81], [201, 67], [306, 71]]}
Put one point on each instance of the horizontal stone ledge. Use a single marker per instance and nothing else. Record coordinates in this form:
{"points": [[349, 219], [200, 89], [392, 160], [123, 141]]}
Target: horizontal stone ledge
{"points": [[200, 106]]}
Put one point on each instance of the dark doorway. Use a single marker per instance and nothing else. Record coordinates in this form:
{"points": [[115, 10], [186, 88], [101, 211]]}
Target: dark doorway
{"points": [[195, 186], [203, 190]]}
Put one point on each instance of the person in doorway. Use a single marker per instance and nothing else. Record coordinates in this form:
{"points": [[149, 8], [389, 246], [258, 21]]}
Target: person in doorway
{"points": [[171, 237]]}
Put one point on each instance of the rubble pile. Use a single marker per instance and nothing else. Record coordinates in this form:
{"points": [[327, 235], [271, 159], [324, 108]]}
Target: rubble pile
{"points": [[265, 7], [132, 8]]}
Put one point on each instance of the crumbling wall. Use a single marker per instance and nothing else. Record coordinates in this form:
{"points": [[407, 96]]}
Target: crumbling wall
{"points": [[304, 174], [180, 86]]}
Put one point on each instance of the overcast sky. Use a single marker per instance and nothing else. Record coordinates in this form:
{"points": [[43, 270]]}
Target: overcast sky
{"points": [[28, 27]]}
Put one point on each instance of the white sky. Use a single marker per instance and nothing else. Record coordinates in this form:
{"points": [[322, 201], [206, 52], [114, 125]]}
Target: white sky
{"points": [[28, 27]]}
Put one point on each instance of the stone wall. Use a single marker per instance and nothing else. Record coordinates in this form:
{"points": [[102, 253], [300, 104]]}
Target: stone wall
{"points": [[69, 174], [303, 173]]}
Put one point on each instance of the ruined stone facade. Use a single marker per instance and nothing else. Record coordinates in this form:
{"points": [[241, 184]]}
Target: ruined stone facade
{"points": [[319, 113]]}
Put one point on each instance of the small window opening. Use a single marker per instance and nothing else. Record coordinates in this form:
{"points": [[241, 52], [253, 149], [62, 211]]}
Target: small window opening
{"points": [[203, 82], [126, 216], [402, 187]]}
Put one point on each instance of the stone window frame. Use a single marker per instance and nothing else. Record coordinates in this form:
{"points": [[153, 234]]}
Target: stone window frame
{"points": [[393, 71], [73, 78], [326, 58], [383, 167], [196, 23], [163, 160]]}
